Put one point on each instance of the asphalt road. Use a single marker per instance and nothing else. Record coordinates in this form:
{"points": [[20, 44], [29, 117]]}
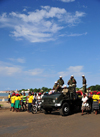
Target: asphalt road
{"points": [[24, 124]]}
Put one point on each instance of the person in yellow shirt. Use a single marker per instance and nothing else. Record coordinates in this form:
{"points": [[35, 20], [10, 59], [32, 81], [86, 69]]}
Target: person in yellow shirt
{"points": [[95, 104], [99, 100], [17, 102], [21, 98], [12, 102], [9, 96], [30, 101]]}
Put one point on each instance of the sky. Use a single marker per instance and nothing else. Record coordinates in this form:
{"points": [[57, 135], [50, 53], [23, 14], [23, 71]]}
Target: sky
{"points": [[41, 40]]}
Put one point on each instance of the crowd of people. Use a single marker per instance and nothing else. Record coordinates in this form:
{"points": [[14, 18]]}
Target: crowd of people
{"points": [[19, 101], [95, 96]]}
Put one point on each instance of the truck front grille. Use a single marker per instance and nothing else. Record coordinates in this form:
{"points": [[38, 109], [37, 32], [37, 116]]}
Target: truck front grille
{"points": [[49, 101]]}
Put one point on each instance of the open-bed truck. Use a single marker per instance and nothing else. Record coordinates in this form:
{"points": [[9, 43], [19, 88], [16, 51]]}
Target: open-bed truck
{"points": [[63, 103]]}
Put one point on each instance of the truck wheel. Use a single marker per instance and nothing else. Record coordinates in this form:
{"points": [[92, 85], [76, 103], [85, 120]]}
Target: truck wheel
{"points": [[65, 110]]}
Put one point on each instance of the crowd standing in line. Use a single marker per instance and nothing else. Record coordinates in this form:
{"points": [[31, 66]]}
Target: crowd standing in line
{"points": [[19, 102]]}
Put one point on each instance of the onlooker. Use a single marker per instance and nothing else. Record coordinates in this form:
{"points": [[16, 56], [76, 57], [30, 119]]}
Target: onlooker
{"points": [[12, 102], [84, 103], [24, 101], [95, 104], [30, 101], [39, 97], [17, 103], [9, 96]]}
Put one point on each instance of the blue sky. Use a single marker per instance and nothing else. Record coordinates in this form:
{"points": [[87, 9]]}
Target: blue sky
{"points": [[43, 39]]}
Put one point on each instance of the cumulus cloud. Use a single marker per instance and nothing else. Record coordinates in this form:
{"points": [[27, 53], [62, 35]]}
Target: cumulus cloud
{"points": [[34, 72], [72, 70], [67, 0], [7, 69], [40, 25], [20, 60]]}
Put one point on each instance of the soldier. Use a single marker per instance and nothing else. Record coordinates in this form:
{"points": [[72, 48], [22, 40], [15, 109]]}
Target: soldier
{"points": [[84, 84], [56, 87], [70, 81], [60, 81], [72, 87]]}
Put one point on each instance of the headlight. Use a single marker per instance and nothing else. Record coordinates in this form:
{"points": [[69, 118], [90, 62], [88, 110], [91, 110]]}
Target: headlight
{"points": [[42, 100], [53, 101]]}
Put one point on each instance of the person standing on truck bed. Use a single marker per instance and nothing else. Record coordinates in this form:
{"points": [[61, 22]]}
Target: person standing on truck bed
{"points": [[60, 81], [56, 87], [84, 84], [72, 86]]}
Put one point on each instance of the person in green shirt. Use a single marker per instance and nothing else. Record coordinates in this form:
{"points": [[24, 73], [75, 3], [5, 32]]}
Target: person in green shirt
{"points": [[24, 101]]}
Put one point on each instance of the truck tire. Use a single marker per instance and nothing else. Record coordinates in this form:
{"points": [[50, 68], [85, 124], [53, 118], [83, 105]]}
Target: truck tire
{"points": [[65, 110]]}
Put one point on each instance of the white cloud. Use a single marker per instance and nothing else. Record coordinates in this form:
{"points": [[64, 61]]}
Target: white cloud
{"points": [[72, 70], [40, 25], [67, 0], [76, 34], [34, 72], [20, 60], [7, 69], [24, 10]]}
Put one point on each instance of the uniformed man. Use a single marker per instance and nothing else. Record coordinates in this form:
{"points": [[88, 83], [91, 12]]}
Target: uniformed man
{"points": [[72, 86], [56, 87], [84, 84], [65, 90], [60, 81]]}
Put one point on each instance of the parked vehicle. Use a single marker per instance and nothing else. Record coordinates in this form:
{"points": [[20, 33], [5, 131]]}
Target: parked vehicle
{"points": [[62, 102]]}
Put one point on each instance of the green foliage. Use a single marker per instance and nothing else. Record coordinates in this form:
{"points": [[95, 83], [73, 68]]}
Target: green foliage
{"points": [[77, 89], [43, 89], [95, 88]]}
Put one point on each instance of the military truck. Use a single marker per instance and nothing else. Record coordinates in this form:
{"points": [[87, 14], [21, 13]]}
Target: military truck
{"points": [[64, 102]]}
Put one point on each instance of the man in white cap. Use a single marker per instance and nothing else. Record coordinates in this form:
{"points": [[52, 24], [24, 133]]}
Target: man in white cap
{"points": [[72, 86], [84, 84], [60, 81], [56, 87]]}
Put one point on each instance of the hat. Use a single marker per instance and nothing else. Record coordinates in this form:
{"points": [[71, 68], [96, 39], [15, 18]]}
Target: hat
{"points": [[72, 76], [55, 82], [82, 75], [17, 94], [65, 86], [60, 76], [94, 92], [39, 94]]}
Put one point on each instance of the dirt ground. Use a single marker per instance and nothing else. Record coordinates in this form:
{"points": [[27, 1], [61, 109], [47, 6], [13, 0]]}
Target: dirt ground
{"points": [[24, 124]]}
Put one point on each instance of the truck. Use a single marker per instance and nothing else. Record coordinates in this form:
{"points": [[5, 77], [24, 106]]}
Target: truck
{"points": [[65, 103]]}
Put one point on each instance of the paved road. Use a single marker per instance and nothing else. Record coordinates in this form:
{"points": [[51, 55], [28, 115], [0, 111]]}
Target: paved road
{"points": [[24, 124]]}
